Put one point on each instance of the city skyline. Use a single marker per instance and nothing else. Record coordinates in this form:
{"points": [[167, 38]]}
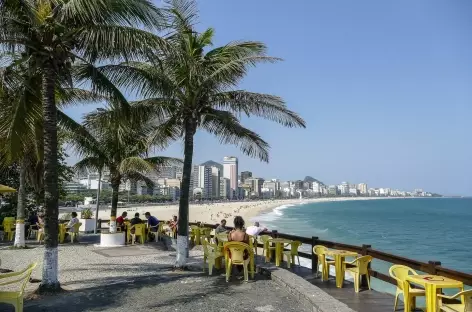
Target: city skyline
{"points": [[389, 105], [209, 181]]}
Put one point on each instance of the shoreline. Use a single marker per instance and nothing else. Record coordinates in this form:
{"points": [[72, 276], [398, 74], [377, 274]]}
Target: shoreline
{"points": [[213, 213]]}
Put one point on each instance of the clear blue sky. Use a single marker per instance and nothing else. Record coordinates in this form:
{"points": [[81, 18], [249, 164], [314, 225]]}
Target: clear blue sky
{"points": [[384, 86]]}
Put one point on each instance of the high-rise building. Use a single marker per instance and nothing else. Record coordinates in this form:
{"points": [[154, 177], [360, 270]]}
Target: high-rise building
{"points": [[215, 176], [344, 188], [245, 175], [256, 185], [224, 188], [205, 181], [230, 171], [194, 178], [362, 187]]}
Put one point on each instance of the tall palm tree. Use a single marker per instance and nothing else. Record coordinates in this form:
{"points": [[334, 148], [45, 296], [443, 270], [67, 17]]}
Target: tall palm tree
{"points": [[120, 146], [52, 35], [195, 87], [21, 130]]}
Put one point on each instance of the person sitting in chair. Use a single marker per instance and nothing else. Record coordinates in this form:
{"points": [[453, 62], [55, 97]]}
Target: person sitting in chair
{"points": [[135, 220], [153, 223]]}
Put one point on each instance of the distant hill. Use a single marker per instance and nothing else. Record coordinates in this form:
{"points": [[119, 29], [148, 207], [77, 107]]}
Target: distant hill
{"points": [[212, 163], [311, 179]]}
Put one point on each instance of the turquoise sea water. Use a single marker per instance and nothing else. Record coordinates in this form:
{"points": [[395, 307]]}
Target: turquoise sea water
{"points": [[424, 229]]}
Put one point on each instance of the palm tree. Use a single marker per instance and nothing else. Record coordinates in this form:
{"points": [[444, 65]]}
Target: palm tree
{"points": [[21, 130], [120, 146], [52, 35], [195, 87]]}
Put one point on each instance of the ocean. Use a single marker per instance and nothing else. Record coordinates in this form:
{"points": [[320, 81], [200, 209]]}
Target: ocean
{"points": [[424, 229]]}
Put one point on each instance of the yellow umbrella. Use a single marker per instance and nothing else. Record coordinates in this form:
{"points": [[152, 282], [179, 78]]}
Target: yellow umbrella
{"points": [[6, 189]]}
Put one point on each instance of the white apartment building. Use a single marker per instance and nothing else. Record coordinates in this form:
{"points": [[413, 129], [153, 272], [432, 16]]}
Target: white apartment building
{"points": [[362, 187], [230, 171], [224, 188]]}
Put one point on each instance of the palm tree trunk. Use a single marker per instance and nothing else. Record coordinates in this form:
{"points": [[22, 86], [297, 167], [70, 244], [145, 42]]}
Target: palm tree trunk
{"points": [[20, 210], [182, 234], [50, 282], [115, 186], [98, 201]]}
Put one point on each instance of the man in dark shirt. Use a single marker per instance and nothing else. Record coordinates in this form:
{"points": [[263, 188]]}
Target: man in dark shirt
{"points": [[153, 223], [136, 219]]}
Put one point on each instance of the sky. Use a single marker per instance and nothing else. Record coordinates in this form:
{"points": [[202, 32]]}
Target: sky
{"points": [[385, 88]]}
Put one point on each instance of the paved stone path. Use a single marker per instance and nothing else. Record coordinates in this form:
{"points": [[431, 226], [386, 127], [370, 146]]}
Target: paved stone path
{"points": [[140, 278]]}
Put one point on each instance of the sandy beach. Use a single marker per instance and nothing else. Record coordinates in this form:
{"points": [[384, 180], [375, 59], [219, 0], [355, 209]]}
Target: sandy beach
{"points": [[215, 212]]}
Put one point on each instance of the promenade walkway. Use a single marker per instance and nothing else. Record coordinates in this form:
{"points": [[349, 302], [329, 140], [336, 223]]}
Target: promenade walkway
{"points": [[140, 278]]}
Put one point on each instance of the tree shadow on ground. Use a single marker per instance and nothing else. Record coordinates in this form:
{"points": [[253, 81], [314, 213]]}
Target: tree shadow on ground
{"points": [[181, 287]]}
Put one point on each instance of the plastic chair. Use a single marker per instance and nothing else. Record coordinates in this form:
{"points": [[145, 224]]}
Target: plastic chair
{"points": [[195, 234], [360, 268], [15, 298], [292, 253], [40, 233], [464, 306], [399, 273], [212, 255], [74, 232], [234, 252], [325, 262], [253, 243], [205, 233], [139, 230], [9, 229], [267, 248]]}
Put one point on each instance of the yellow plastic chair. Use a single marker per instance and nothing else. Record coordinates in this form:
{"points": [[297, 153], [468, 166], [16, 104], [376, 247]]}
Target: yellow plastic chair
{"points": [[40, 233], [212, 255], [399, 273], [195, 236], [325, 262], [15, 298], [267, 248], [292, 253], [139, 230], [205, 234], [236, 249], [253, 243], [9, 229], [74, 232], [360, 268], [464, 306]]}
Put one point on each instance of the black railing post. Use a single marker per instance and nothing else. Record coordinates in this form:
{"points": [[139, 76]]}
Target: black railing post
{"points": [[314, 259], [432, 267], [365, 252]]}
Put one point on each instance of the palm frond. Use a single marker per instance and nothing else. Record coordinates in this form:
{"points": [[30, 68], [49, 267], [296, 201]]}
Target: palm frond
{"points": [[135, 164], [228, 129], [89, 163], [66, 97], [105, 12], [261, 105], [117, 43], [137, 176]]}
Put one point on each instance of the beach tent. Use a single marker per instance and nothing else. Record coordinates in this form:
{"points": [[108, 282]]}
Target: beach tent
{"points": [[6, 189]]}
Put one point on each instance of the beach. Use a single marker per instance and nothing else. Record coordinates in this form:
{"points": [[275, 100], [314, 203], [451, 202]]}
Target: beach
{"points": [[215, 212]]}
